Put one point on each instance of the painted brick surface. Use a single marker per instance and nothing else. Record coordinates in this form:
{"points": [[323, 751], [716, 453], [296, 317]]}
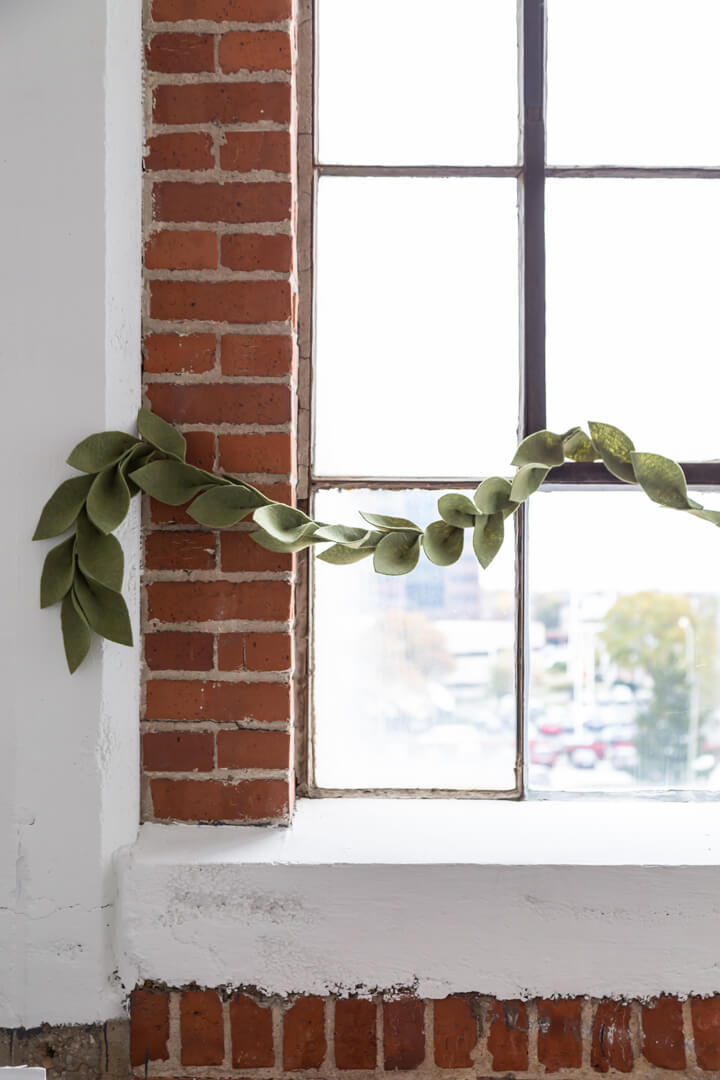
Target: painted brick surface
{"points": [[220, 361]]}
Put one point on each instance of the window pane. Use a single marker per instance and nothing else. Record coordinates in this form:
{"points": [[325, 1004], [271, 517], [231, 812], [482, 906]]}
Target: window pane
{"points": [[413, 684], [625, 688], [403, 82], [416, 360], [633, 281], [633, 82]]}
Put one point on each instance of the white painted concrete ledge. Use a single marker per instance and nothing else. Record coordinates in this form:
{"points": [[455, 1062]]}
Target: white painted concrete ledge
{"points": [[603, 898]]}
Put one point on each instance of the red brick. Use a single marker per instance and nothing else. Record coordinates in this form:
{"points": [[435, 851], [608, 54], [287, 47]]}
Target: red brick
{"points": [[216, 601], [251, 1030], [178, 53], [180, 150], [214, 801], [257, 354], [225, 702], [245, 151], [254, 750], [149, 1026], [201, 449], [455, 1030], [256, 652], [559, 1034], [404, 1033], [257, 50], [247, 251], [205, 403], [663, 1040], [172, 651], [355, 1034], [179, 353], [180, 551], [272, 453], [234, 202], [508, 1036], [304, 1034], [706, 1031], [240, 554], [222, 10], [221, 301], [176, 249], [201, 1022], [611, 1046], [223, 103], [178, 751]]}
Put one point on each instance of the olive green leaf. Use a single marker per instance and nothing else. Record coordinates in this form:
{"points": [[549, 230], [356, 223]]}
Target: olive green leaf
{"points": [[488, 536], [540, 448], [458, 510], [133, 460], [285, 523], [662, 480], [104, 609], [161, 435], [100, 555], [493, 495], [99, 451], [75, 631], [390, 524], [397, 553], [615, 448], [284, 547], [443, 543], [62, 507], [339, 555], [527, 480], [108, 500], [57, 573], [173, 482], [578, 447], [713, 516], [342, 534], [223, 506]]}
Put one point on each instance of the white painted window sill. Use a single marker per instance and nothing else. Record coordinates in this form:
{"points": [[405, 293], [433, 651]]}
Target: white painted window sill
{"points": [[599, 897]]}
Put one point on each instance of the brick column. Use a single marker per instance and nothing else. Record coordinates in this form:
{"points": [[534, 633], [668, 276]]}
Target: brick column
{"points": [[220, 361]]}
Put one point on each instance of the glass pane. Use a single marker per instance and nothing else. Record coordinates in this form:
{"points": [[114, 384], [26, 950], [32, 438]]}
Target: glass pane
{"points": [[633, 281], [625, 683], [633, 82], [413, 681], [402, 82], [416, 359]]}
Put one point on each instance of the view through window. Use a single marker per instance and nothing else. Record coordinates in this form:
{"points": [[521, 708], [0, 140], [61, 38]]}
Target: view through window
{"points": [[471, 288]]}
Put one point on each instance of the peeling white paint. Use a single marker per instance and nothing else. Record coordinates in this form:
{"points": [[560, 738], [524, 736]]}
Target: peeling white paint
{"points": [[507, 899]]}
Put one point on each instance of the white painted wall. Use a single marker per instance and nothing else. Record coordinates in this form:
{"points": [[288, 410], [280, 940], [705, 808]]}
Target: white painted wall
{"points": [[70, 119]]}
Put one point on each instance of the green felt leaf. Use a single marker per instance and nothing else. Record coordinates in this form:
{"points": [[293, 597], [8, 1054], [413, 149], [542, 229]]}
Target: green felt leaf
{"points": [[493, 495], [99, 451], [57, 573], [527, 480], [577, 446], [108, 500], [615, 448], [339, 555], [342, 534], [284, 547], [443, 543], [62, 507], [223, 506], [458, 510], [540, 448], [75, 631], [285, 523], [389, 524], [132, 460], [662, 480], [104, 609], [397, 553], [173, 482], [100, 556], [161, 435], [488, 536], [713, 516]]}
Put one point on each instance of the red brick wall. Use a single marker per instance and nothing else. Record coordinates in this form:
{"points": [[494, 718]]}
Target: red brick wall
{"points": [[183, 1033], [220, 360]]}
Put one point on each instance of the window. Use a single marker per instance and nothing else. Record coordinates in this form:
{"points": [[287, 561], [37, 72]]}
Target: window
{"points": [[468, 289]]}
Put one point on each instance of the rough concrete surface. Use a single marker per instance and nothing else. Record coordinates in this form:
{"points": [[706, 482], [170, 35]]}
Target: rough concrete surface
{"points": [[71, 1051]]}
